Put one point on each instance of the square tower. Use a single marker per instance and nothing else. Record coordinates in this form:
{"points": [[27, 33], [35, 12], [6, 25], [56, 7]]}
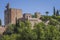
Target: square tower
{"points": [[11, 14]]}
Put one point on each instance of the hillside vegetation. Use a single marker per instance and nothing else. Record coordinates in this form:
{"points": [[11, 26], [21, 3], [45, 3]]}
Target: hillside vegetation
{"points": [[23, 31]]}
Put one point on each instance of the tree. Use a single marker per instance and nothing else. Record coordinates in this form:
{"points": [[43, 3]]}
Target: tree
{"points": [[57, 13], [39, 29], [53, 33], [0, 22], [10, 29], [25, 31], [39, 32], [54, 13], [47, 13], [5, 37], [11, 37], [54, 22]]}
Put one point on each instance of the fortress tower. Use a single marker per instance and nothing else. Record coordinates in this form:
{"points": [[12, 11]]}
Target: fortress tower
{"points": [[37, 15], [11, 14]]}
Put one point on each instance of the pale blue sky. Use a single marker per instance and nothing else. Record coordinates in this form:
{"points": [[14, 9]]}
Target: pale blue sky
{"points": [[30, 6]]}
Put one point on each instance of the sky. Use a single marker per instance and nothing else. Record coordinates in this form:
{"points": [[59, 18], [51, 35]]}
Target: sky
{"points": [[30, 6]]}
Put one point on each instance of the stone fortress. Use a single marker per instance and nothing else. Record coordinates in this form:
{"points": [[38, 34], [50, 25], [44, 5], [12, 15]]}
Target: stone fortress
{"points": [[12, 14]]}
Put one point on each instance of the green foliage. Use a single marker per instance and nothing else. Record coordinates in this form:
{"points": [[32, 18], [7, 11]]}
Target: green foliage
{"points": [[54, 22], [39, 32], [11, 37], [10, 29], [39, 29], [45, 18], [56, 17]]}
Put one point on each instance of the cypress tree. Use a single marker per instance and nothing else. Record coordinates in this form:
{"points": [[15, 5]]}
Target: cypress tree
{"points": [[54, 11], [57, 13], [0, 21]]}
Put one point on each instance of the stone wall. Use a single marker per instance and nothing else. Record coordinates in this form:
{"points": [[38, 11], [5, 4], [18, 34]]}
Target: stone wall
{"points": [[2, 29]]}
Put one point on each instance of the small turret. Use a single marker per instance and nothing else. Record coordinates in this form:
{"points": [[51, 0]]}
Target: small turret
{"points": [[37, 15]]}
